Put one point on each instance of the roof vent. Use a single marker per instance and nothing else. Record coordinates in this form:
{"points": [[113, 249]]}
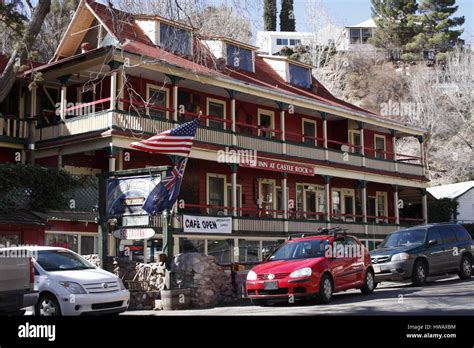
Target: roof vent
{"points": [[86, 46]]}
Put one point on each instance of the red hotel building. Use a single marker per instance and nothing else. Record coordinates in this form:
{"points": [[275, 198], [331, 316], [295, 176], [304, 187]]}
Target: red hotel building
{"points": [[117, 78]]}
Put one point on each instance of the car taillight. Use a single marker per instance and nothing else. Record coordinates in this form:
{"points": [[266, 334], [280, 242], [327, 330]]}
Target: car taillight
{"points": [[32, 274]]}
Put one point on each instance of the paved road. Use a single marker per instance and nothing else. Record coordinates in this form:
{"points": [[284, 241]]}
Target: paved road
{"points": [[440, 296]]}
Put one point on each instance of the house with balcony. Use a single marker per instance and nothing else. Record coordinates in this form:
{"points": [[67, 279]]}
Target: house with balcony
{"points": [[316, 161], [356, 37]]}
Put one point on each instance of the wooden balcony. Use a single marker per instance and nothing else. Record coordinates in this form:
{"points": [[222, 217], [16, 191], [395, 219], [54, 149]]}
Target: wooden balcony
{"points": [[13, 128]]}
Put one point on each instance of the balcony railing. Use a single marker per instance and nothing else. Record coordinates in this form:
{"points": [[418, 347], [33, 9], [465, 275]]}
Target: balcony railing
{"points": [[261, 139], [13, 127]]}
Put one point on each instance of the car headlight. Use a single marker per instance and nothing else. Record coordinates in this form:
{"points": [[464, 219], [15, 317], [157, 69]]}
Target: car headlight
{"points": [[400, 257], [121, 285], [251, 275], [73, 288], [303, 272]]}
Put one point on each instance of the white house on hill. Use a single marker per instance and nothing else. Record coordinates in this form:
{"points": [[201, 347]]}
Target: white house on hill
{"points": [[463, 193]]}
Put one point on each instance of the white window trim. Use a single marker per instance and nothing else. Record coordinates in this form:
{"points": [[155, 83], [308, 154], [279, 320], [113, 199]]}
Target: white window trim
{"points": [[79, 238], [216, 101], [229, 185], [351, 134], [266, 112], [317, 189], [303, 120], [350, 193], [384, 145], [214, 175], [267, 181], [160, 88], [385, 213]]}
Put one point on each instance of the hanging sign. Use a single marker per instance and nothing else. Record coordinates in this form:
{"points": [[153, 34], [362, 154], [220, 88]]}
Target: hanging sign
{"points": [[134, 233], [207, 224], [280, 166]]}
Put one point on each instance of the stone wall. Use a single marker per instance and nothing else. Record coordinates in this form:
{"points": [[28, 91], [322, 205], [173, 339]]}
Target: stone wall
{"points": [[209, 283]]}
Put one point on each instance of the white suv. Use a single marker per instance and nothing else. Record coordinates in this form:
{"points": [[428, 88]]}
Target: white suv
{"points": [[70, 285]]}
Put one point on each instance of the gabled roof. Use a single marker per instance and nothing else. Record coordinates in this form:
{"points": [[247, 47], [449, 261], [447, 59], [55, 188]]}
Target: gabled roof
{"points": [[369, 23], [21, 217], [452, 191]]}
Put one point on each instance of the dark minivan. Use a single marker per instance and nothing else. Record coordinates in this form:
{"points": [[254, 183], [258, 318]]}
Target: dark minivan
{"points": [[416, 252]]}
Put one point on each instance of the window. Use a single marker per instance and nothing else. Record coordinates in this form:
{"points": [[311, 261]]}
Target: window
{"points": [[239, 198], [336, 203], [355, 140], [294, 42], [371, 208], [381, 206], [461, 233], [355, 36], [216, 193], [282, 42], [309, 132], [192, 246], [158, 98], [300, 76], [249, 250], [68, 241], [216, 108], [175, 39], [349, 205], [433, 234], [88, 245], [379, 141], [447, 234], [267, 196], [266, 120], [222, 250], [310, 199], [366, 35], [7, 240], [240, 58]]}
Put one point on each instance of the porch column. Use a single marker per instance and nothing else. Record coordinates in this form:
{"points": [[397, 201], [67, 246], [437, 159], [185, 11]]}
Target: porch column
{"points": [[113, 91], [233, 116], [363, 185], [325, 135], [63, 102], [30, 152], [362, 142], [394, 148], [233, 177], [395, 205], [424, 206], [282, 107], [62, 110], [175, 89], [422, 150], [112, 158], [327, 191], [120, 88], [284, 194]]}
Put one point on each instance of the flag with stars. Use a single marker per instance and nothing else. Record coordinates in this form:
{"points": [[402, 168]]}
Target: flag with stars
{"points": [[176, 141], [164, 195]]}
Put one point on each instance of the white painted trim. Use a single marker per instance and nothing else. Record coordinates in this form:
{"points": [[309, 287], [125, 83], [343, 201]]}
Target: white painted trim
{"points": [[266, 112], [384, 145], [303, 120], [216, 101], [214, 175], [159, 88]]}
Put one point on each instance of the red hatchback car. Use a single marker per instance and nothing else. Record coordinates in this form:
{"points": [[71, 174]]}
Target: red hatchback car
{"points": [[313, 266]]}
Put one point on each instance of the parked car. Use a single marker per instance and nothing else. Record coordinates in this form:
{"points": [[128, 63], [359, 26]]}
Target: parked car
{"points": [[417, 252], [311, 267], [16, 283], [70, 285]]}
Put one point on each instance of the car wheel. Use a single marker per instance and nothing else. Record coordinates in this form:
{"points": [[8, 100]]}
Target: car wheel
{"points": [[48, 306], [257, 302], [369, 284], [325, 289], [420, 273], [466, 267]]}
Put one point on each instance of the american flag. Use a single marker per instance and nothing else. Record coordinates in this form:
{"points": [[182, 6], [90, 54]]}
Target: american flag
{"points": [[176, 141]]}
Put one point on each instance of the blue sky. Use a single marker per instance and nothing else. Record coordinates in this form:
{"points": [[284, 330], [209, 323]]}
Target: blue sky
{"points": [[350, 12]]}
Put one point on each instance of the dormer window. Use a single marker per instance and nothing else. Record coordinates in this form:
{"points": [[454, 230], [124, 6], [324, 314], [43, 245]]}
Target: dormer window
{"points": [[175, 39], [299, 76], [239, 58]]}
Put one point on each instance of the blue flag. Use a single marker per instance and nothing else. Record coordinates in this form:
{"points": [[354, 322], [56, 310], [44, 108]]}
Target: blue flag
{"points": [[164, 195]]}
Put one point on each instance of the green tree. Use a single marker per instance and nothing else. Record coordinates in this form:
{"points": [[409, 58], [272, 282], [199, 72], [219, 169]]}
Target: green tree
{"points": [[436, 26], [395, 23], [269, 15], [287, 16], [442, 210]]}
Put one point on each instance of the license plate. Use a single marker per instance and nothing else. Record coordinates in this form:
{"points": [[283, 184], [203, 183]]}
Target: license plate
{"points": [[271, 285], [376, 268]]}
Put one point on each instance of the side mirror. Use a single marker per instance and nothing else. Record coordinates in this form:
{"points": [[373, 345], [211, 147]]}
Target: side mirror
{"points": [[432, 242]]}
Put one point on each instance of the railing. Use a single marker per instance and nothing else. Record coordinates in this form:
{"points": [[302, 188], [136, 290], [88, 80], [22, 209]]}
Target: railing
{"points": [[13, 127], [248, 136]]}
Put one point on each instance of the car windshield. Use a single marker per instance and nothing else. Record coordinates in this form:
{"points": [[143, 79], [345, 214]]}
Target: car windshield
{"points": [[403, 238], [299, 250], [61, 260]]}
